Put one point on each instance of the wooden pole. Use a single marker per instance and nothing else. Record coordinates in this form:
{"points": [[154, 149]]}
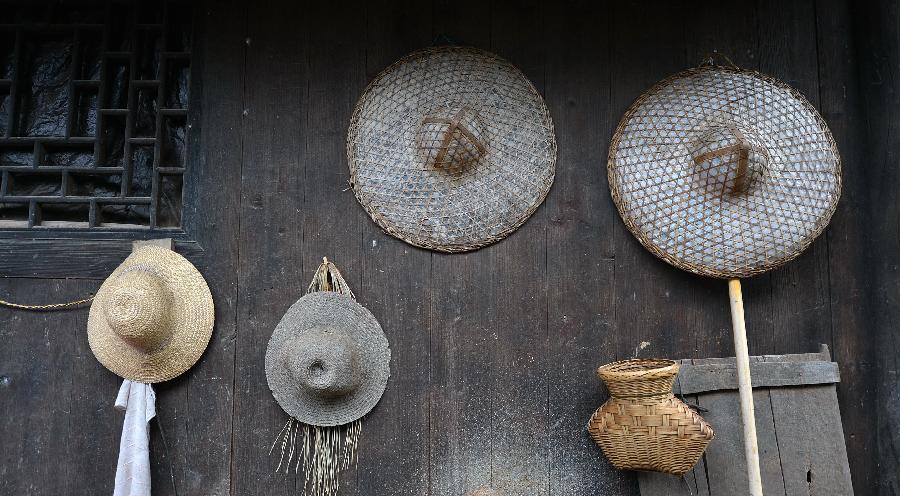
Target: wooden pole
{"points": [[751, 447]]}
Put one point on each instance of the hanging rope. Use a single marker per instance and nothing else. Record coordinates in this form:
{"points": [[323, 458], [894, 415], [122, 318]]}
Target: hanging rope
{"points": [[48, 307]]}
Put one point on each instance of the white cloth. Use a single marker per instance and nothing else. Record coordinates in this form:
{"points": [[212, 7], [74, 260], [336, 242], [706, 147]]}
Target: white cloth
{"points": [[133, 470]]}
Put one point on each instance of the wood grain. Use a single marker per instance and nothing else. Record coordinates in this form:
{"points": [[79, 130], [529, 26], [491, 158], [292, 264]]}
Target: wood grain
{"points": [[802, 448], [701, 378], [871, 352], [271, 275], [195, 409], [73, 258], [494, 351], [519, 302], [580, 262], [396, 286]]}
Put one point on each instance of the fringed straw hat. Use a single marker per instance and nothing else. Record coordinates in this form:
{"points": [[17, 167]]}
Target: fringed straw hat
{"points": [[328, 361], [152, 318], [724, 172], [451, 149]]}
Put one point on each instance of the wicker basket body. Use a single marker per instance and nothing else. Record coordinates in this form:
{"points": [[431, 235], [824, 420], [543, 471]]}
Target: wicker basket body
{"points": [[643, 426]]}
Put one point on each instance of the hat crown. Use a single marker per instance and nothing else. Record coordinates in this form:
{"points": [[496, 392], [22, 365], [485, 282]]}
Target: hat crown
{"points": [[728, 161], [324, 362], [451, 138], [138, 309]]}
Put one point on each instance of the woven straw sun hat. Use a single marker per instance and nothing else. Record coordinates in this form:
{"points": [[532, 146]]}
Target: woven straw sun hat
{"points": [[152, 318], [724, 172], [328, 361], [451, 149]]}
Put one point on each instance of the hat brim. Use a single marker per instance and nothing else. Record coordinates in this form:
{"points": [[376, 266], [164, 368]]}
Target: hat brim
{"points": [[192, 319], [438, 210], [652, 184], [329, 309]]}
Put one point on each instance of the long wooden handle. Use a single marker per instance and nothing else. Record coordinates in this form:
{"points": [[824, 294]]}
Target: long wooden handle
{"points": [[751, 447]]}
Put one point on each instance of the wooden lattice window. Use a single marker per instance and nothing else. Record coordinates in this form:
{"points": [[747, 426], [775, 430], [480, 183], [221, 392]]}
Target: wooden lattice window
{"points": [[93, 115]]}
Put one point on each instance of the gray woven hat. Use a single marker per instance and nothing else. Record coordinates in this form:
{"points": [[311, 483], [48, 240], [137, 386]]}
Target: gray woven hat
{"points": [[724, 172], [328, 361], [451, 149]]}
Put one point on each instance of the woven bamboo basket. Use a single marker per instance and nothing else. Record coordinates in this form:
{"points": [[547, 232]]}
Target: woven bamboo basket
{"points": [[643, 426]]}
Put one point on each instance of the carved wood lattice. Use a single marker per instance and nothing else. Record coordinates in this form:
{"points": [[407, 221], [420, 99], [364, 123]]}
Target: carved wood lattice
{"points": [[93, 115]]}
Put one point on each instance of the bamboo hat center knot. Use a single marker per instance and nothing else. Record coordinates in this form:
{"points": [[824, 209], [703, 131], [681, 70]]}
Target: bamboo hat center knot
{"points": [[728, 161], [451, 138], [324, 362], [139, 309]]}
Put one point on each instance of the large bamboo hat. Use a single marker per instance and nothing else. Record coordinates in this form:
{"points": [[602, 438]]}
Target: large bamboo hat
{"points": [[451, 149], [724, 172], [328, 361], [152, 318]]}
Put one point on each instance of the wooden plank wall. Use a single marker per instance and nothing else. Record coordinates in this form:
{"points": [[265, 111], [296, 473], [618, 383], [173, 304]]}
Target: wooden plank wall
{"points": [[878, 31], [493, 351]]}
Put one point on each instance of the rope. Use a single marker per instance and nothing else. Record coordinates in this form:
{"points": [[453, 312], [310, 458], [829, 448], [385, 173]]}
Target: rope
{"points": [[48, 307], [710, 60]]}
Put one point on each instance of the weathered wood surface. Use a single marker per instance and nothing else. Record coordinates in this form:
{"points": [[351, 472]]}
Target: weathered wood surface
{"points": [[494, 351], [876, 373], [801, 441], [54, 258], [702, 378], [713, 374]]}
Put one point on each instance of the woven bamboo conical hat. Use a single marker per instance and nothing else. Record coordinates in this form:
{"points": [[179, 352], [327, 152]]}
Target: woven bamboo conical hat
{"points": [[724, 172], [451, 149]]}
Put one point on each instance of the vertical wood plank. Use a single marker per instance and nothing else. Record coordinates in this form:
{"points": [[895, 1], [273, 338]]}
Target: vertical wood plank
{"points": [[854, 305], [397, 287], [462, 347], [580, 262], [333, 222], [463, 341], [272, 274], [721, 30], [39, 359], [659, 309], [195, 409], [94, 425], [519, 421], [463, 23], [725, 460], [871, 356], [800, 306], [810, 440]]}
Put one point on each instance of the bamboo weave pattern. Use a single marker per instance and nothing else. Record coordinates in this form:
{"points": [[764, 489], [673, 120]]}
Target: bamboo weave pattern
{"points": [[644, 426], [451, 149], [724, 172]]}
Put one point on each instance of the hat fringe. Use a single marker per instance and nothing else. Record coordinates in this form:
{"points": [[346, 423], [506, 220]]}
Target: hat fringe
{"points": [[322, 451]]}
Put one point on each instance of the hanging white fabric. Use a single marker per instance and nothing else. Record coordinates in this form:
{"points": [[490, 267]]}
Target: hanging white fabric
{"points": [[133, 469]]}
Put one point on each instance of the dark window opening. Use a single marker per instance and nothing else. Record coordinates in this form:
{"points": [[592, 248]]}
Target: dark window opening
{"points": [[93, 114]]}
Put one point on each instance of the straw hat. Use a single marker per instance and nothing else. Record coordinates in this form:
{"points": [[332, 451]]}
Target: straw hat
{"points": [[724, 172], [328, 360], [451, 149], [152, 317]]}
